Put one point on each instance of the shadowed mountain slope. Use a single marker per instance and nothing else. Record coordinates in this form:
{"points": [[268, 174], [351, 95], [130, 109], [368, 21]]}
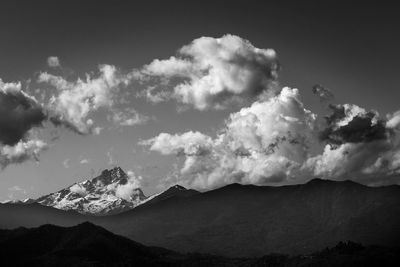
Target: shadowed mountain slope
{"points": [[89, 245], [245, 220]]}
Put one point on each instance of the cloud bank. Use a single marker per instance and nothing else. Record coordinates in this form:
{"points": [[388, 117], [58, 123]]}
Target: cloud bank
{"points": [[278, 141]]}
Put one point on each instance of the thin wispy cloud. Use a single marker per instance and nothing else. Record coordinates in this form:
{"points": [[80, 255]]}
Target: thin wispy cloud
{"points": [[66, 163]]}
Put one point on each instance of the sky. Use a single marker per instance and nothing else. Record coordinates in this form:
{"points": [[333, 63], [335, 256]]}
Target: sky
{"points": [[192, 93]]}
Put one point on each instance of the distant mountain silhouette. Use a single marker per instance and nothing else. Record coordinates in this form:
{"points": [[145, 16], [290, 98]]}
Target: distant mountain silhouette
{"points": [[246, 220], [89, 245], [35, 214]]}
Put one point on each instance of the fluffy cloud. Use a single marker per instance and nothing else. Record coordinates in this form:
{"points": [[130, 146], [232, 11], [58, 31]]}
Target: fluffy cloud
{"points": [[278, 141], [73, 103], [19, 113], [361, 146], [214, 73], [128, 117], [266, 143], [189, 143], [78, 189], [20, 152], [126, 191], [53, 62], [66, 163]]}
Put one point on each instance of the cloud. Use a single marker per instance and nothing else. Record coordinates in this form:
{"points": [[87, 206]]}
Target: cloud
{"points": [[265, 143], [278, 141], [110, 157], [351, 124], [214, 73], [66, 163], [22, 151], [84, 161], [97, 130], [361, 146], [78, 189], [128, 117], [126, 191], [74, 101], [189, 143], [16, 188], [393, 120], [53, 62], [324, 94], [17, 191], [19, 113]]}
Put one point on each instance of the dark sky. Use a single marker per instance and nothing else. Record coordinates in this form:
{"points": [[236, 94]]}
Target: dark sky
{"points": [[353, 49], [350, 48]]}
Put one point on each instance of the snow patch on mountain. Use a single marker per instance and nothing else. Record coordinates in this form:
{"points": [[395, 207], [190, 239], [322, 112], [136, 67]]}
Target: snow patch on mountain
{"points": [[111, 192]]}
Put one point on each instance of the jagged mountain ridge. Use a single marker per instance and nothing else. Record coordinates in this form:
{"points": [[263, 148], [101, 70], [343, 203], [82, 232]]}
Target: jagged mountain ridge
{"points": [[98, 196]]}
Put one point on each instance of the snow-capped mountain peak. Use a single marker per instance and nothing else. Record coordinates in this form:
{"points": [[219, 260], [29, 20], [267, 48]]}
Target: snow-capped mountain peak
{"points": [[111, 192]]}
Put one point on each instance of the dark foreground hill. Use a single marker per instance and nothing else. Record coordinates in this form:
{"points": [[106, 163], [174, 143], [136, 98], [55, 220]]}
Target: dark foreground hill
{"points": [[246, 221], [90, 245]]}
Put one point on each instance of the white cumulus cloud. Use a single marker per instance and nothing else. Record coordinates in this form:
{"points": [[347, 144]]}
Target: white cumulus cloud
{"points": [[278, 141], [74, 101], [214, 73], [265, 143]]}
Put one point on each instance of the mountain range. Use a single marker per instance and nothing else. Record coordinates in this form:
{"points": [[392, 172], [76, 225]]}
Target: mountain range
{"points": [[100, 195], [243, 220]]}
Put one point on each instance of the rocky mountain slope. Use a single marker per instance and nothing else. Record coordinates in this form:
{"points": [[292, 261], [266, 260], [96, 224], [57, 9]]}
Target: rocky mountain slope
{"points": [[98, 196], [109, 193]]}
